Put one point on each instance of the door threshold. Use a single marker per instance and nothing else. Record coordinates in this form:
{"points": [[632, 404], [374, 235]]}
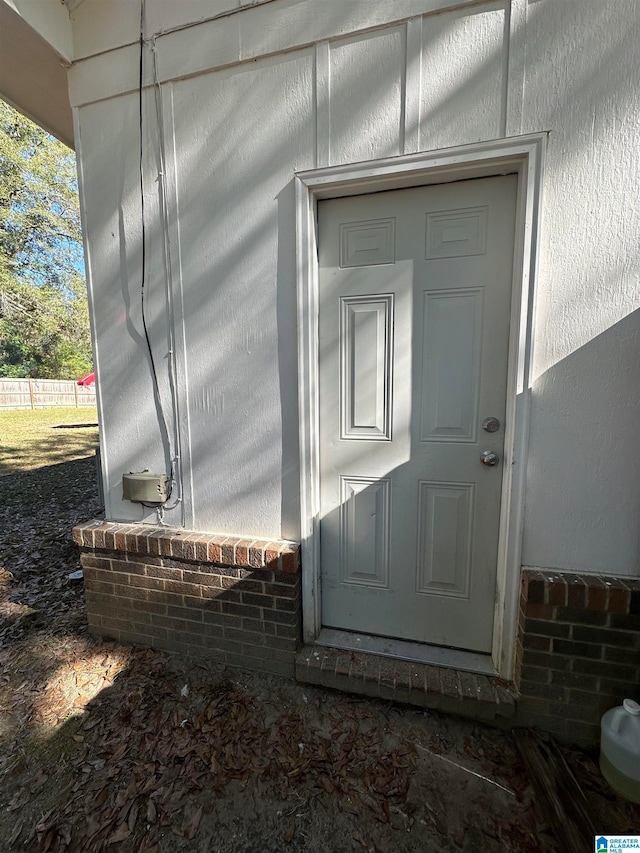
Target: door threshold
{"points": [[406, 650], [474, 695]]}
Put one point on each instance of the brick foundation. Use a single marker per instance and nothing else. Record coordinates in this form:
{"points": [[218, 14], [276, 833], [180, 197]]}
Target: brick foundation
{"points": [[235, 600], [238, 601], [581, 651]]}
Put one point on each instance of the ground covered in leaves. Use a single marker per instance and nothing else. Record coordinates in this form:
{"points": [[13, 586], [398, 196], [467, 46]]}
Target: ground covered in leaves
{"points": [[107, 747]]}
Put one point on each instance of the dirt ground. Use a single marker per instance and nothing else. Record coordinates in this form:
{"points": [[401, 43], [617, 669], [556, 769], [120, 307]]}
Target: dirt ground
{"points": [[109, 747]]}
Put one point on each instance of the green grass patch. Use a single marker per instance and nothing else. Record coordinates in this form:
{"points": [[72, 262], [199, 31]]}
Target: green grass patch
{"points": [[36, 438]]}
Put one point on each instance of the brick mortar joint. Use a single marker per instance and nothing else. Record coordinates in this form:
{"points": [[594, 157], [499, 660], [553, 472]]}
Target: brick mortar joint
{"points": [[106, 539], [265, 572], [591, 581]]}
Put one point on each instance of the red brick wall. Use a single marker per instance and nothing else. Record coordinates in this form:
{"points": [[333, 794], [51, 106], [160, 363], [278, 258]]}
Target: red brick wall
{"points": [[239, 601], [580, 651], [235, 600]]}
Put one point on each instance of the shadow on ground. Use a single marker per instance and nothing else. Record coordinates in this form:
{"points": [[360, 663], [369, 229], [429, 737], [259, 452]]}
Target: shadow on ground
{"points": [[74, 426], [44, 446], [183, 756]]}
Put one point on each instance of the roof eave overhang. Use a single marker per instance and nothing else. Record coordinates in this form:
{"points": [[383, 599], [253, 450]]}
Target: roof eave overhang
{"points": [[33, 76]]}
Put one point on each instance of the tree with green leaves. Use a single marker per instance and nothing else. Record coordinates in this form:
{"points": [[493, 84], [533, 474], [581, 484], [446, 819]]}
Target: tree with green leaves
{"points": [[44, 325]]}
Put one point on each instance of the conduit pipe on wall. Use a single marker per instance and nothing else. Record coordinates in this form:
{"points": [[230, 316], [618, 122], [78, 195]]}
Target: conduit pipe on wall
{"points": [[176, 473], [168, 277]]}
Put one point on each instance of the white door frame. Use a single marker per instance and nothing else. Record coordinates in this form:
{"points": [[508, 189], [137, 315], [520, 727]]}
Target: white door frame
{"points": [[521, 155]]}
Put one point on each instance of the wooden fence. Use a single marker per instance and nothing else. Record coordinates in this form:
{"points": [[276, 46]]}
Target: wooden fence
{"points": [[42, 393]]}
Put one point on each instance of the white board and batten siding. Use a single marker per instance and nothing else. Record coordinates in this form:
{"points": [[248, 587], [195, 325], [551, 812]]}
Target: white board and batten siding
{"points": [[251, 97]]}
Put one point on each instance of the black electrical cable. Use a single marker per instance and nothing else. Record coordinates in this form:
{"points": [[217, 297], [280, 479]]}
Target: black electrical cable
{"points": [[156, 386]]}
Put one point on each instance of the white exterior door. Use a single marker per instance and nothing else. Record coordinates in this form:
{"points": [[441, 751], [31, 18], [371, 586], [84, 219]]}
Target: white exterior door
{"points": [[415, 298]]}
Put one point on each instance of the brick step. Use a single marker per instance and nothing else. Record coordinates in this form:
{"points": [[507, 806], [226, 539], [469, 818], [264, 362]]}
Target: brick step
{"points": [[478, 697]]}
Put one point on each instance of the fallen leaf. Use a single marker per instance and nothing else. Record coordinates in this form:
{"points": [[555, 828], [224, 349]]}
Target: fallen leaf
{"points": [[64, 832], [291, 829], [133, 816], [121, 834], [39, 781], [45, 822], [325, 782], [92, 825], [192, 827], [47, 841], [18, 800], [15, 832]]}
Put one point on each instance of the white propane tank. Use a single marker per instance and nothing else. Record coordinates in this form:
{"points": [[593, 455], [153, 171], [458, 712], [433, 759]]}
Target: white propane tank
{"points": [[620, 749]]}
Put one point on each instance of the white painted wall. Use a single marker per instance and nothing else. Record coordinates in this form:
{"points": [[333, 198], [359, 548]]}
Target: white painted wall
{"points": [[582, 84], [99, 26], [250, 97]]}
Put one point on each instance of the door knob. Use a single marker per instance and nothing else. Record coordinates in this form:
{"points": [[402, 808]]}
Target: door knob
{"points": [[489, 458]]}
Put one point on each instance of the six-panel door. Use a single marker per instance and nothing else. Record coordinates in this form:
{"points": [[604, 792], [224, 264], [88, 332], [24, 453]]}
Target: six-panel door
{"points": [[415, 295]]}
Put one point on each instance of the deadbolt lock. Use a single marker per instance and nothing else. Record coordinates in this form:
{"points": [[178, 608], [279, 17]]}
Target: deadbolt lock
{"points": [[490, 424]]}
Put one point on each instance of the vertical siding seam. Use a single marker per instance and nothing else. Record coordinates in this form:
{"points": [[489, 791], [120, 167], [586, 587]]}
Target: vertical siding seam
{"points": [[323, 104], [410, 143], [514, 74]]}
